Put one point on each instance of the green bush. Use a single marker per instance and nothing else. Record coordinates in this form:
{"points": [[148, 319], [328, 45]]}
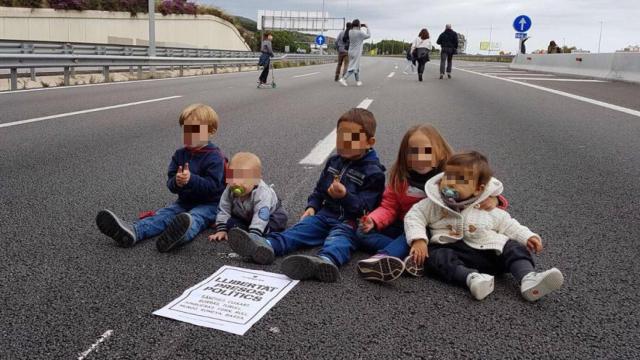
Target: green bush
{"points": [[22, 3]]}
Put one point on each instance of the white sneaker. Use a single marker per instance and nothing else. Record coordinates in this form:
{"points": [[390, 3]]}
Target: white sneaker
{"points": [[343, 82], [536, 285], [359, 83], [480, 285]]}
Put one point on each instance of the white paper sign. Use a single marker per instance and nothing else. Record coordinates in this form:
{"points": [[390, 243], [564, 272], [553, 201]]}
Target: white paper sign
{"points": [[232, 299]]}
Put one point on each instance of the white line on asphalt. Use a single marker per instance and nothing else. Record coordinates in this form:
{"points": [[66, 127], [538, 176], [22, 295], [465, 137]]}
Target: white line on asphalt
{"points": [[102, 338], [562, 93], [57, 116], [516, 74], [309, 74], [391, 75], [325, 147], [547, 79]]}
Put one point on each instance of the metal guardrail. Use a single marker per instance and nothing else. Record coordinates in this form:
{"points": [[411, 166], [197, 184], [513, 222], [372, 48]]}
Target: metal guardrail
{"points": [[68, 48], [68, 62]]}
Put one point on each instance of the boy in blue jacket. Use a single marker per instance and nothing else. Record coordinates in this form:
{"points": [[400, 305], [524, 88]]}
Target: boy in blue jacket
{"points": [[196, 174], [350, 185]]}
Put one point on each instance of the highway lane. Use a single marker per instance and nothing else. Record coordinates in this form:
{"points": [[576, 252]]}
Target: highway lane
{"points": [[570, 171]]}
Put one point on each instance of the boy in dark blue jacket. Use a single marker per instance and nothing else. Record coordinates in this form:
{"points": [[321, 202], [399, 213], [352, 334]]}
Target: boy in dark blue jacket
{"points": [[350, 185], [196, 174]]}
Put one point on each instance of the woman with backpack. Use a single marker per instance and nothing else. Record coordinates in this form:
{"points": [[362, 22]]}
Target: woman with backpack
{"points": [[342, 45], [420, 50]]}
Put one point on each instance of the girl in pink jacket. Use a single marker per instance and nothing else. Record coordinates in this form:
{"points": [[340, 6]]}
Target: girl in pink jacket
{"points": [[422, 155]]}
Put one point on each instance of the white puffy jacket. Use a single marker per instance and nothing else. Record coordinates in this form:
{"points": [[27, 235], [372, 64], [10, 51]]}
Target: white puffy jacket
{"points": [[480, 229]]}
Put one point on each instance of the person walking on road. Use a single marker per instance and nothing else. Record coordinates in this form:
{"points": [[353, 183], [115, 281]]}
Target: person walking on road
{"points": [[357, 36], [448, 42], [265, 58], [342, 45], [421, 47]]}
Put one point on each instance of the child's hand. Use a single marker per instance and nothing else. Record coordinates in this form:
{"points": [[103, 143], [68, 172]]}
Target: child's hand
{"points": [[489, 203], [219, 236], [534, 244], [337, 190], [309, 212], [419, 251], [183, 175], [367, 224]]}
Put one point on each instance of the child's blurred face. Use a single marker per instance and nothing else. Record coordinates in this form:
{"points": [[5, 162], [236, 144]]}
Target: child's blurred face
{"points": [[463, 180], [420, 158], [352, 141], [195, 134], [242, 179], [270, 37]]}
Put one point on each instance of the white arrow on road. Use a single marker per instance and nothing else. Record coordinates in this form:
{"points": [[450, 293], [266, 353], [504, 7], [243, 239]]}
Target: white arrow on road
{"points": [[522, 23]]}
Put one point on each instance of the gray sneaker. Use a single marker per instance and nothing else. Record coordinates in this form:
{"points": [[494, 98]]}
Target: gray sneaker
{"points": [[174, 235], [412, 268], [120, 231], [380, 267], [303, 267], [252, 246]]}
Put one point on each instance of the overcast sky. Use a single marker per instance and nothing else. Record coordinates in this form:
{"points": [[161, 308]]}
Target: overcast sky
{"points": [[570, 22]]}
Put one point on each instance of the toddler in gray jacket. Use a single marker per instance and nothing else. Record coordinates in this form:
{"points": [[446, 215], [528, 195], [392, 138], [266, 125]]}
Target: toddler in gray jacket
{"points": [[248, 202]]}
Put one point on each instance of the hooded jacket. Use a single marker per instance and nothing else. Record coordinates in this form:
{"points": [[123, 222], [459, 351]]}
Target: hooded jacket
{"points": [[364, 179], [480, 229]]}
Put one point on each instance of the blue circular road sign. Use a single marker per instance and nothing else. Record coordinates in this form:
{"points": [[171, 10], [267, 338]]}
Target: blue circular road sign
{"points": [[522, 23], [320, 40]]}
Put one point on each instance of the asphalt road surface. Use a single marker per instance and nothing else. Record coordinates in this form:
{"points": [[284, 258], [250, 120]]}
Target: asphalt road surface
{"points": [[568, 153]]}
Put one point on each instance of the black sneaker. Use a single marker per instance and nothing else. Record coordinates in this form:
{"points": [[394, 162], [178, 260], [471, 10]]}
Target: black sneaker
{"points": [[419, 77], [441, 76], [252, 246], [449, 75], [380, 268], [175, 233], [303, 267], [120, 231]]}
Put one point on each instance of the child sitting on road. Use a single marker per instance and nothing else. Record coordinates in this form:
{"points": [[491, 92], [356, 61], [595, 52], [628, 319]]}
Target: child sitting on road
{"points": [[248, 202], [469, 245], [196, 174], [350, 185], [422, 155]]}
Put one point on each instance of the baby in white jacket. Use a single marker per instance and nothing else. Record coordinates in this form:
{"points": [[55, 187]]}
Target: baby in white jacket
{"points": [[469, 245]]}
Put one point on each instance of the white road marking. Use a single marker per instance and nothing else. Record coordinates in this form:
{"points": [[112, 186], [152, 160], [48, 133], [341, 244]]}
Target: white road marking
{"points": [[303, 75], [57, 116], [102, 338], [547, 79], [325, 147], [562, 93], [517, 74], [391, 75]]}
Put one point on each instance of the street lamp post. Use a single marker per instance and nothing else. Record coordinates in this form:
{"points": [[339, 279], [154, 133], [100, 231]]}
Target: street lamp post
{"points": [[152, 28], [600, 38], [322, 30]]}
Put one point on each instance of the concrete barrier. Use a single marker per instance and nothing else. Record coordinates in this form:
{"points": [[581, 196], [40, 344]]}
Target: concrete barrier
{"points": [[613, 66], [103, 27]]}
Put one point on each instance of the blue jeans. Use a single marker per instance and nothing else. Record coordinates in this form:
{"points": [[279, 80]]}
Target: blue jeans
{"points": [[201, 216], [338, 239], [390, 241]]}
